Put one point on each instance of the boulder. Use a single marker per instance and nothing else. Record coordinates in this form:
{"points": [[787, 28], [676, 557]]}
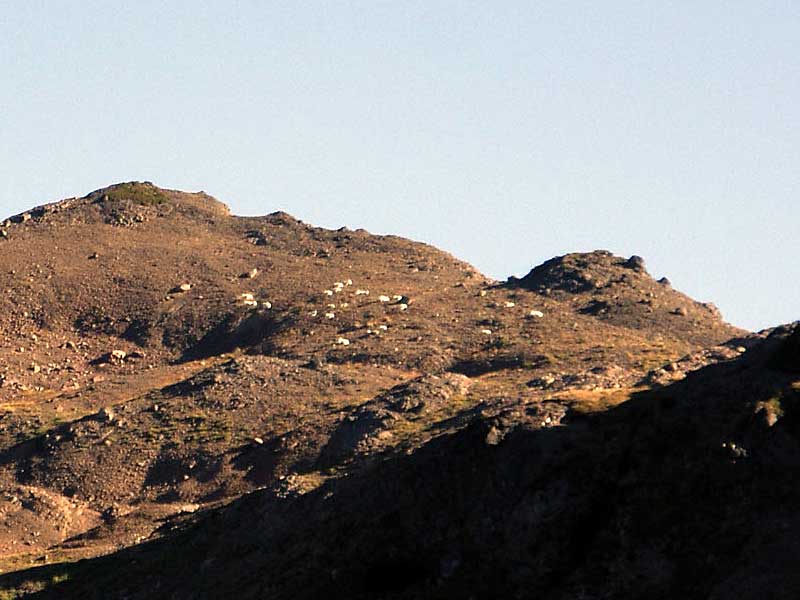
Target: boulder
{"points": [[636, 263]]}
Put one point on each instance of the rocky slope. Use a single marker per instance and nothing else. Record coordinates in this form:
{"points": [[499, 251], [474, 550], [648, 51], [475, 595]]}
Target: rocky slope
{"points": [[308, 412]]}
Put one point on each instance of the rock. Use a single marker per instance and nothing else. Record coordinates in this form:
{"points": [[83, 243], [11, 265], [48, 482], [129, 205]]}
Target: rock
{"points": [[316, 363], [108, 415], [252, 274], [536, 314], [494, 436], [542, 382], [258, 441], [257, 238], [3, 233], [635, 262], [665, 281], [770, 411], [735, 451], [111, 514], [115, 356], [184, 287], [680, 311]]}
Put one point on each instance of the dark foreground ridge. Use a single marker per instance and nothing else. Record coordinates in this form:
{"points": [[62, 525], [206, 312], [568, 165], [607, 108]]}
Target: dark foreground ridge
{"points": [[198, 405]]}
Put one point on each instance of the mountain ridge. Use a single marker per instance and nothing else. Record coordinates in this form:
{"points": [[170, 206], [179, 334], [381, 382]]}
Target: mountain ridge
{"points": [[166, 363]]}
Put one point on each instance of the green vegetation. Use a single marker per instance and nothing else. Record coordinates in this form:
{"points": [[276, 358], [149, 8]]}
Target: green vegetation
{"points": [[34, 585], [145, 194]]}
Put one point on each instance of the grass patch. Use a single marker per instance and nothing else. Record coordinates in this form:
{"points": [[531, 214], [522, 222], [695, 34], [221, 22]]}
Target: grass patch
{"points": [[34, 585], [144, 194], [586, 402]]}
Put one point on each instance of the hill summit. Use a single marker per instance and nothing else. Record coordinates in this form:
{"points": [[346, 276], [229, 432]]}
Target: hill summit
{"points": [[619, 290]]}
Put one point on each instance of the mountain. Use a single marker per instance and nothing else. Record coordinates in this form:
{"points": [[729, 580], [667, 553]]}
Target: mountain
{"points": [[207, 405]]}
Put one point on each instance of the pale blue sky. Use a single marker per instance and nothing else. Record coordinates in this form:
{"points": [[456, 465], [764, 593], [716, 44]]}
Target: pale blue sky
{"points": [[503, 132]]}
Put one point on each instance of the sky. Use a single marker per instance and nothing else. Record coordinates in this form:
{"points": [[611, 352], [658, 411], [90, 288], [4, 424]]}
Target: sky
{"points": [[503, 132]]}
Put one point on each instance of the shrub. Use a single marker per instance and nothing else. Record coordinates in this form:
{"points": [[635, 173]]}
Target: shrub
{"points": [[145, 194]]}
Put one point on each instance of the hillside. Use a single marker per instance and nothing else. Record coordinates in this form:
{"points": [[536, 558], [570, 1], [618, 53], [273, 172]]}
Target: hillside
{"points": [[333, 413], [684, 492]]}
